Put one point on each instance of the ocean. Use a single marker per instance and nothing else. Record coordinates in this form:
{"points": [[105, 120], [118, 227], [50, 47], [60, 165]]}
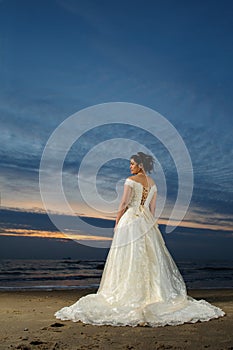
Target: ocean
{"points": [[19, 275]]}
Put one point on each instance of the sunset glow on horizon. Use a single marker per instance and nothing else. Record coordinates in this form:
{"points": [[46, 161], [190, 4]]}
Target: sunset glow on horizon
{"points": [[50, 235], [59, 234]]}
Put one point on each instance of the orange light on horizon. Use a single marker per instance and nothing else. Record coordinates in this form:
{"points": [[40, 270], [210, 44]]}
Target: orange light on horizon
{"points": [[163, 221], [51, 235], [190, 224]]}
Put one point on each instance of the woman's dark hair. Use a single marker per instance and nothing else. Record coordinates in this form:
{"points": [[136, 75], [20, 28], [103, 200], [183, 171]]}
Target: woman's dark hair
{"points": [[145, 159]]}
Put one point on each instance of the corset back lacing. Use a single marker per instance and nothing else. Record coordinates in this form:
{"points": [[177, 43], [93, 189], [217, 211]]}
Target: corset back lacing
{"points": [[145, 192]]}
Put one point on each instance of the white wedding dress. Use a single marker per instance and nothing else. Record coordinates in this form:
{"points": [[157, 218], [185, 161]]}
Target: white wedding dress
{"points": [[141, 284]]}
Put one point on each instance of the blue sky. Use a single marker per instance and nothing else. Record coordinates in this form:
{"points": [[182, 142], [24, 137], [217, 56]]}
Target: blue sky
{"points": [[57, 57]]}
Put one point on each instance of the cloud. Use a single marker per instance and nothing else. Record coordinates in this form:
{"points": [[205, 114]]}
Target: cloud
{"points": [[95, 60], [212, 173], [50, 235]]}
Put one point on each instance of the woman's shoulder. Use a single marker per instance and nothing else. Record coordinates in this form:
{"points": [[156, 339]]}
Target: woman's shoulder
{"points": [[132, 179], [150, 181], [129, 181]]}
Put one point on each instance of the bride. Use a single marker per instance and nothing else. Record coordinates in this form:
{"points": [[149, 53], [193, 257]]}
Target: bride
{"points": [[140, 284]]}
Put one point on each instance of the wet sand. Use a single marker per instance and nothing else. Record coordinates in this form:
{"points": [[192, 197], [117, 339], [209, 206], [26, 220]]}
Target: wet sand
{"points": [[28, 322]]}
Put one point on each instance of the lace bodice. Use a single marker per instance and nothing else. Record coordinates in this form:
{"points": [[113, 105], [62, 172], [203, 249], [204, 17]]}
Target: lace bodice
{"points": [[140, 195]]}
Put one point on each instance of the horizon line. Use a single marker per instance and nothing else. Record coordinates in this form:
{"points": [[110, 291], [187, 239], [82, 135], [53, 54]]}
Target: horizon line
{"points": [[161, 221]]}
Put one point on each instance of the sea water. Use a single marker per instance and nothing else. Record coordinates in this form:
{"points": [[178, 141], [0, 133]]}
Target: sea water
{"points": [[78, 274]]}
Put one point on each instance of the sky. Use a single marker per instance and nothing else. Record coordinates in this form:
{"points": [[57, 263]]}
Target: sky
{"points": [[58, 57]]}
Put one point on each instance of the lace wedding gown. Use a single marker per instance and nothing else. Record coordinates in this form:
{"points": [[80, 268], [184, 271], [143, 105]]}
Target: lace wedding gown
{"points": [[141, 284]]}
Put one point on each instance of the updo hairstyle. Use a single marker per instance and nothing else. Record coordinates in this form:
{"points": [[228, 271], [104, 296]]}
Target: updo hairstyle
{"points": [[145, 159]]}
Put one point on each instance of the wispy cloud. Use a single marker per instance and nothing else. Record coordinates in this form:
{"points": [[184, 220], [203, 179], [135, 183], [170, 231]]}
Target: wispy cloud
{"points": [[50, 235]]}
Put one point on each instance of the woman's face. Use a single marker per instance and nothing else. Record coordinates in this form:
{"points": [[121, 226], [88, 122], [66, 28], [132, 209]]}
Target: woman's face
{"points": [[134, 168]]}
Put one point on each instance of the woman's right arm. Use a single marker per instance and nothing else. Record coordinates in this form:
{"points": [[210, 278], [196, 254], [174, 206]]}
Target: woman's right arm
{"points": [[124, 202], [153, 204]]}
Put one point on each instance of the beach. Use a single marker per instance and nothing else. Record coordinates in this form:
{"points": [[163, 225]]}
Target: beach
{"points": [[28, 322]]}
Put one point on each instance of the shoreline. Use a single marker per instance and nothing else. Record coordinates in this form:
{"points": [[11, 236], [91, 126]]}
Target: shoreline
{"points": [[81, 288], [28, 322]]}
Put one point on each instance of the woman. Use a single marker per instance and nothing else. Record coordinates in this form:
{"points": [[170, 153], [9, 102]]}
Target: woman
{"points": [[141, 284]]}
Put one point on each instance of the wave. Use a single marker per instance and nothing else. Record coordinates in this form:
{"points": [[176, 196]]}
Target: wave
{"points": [[67, 273]]}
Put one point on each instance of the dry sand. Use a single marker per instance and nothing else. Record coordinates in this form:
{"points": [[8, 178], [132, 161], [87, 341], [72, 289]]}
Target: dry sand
{"points": [[27, 322]]}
